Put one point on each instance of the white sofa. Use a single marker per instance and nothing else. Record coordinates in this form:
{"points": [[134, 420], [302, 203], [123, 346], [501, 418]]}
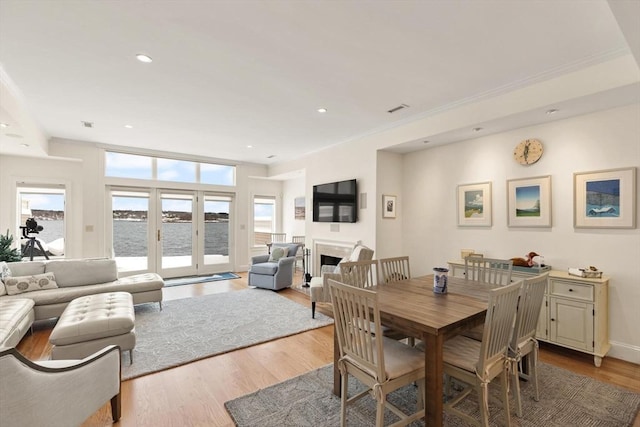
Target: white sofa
{"points": [[74, 278]]}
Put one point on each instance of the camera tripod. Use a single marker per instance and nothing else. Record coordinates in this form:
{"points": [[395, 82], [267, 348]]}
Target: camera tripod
{"points": [[28, 249]]}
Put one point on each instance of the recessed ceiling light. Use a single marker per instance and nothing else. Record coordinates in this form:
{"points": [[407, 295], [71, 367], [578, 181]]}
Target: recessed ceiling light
{"points": [[552, 111], [128, 126], [249, 146], [477, 129], [144, 58], [322, 110], [4, 125], [24, 145]]}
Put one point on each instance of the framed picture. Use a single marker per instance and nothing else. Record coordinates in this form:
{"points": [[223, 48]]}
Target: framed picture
{"points": [[474, 205], [389, 206], [299, 209], [605, 199], [529, 202]]}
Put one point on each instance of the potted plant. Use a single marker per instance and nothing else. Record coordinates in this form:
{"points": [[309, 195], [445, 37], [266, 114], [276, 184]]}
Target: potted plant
{"points": [[8, 253]]}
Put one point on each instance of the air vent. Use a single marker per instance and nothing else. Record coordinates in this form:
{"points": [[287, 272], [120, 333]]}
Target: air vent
{"points": [[271, 156], [398, 108], [87, 124]]}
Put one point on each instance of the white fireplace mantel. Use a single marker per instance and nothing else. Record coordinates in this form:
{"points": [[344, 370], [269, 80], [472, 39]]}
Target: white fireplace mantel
{"points": [[331, 248]]}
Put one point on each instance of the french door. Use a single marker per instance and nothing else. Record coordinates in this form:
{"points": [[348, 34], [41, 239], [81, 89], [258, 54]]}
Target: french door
{"points": [[172, 232]]}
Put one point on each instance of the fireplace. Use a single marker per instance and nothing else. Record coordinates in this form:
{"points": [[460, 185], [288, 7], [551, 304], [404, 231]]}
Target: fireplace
{"points": [[329, 260], [324, 250]]}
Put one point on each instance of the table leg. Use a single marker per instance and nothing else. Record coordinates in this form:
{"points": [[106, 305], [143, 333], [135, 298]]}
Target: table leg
{"points": [[336, 371], [433, 379]]}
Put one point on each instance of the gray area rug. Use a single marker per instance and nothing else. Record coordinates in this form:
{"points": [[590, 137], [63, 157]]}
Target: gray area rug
{"points": [[566, 399], [194, 328]]}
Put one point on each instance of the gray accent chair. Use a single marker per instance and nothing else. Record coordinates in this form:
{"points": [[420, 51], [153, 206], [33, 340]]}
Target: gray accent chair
{"points": [[274, 275], [58, 392]]}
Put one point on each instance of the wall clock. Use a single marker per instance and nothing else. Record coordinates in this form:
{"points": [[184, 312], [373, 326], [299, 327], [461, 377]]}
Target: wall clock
{"points": [[528, 151]]}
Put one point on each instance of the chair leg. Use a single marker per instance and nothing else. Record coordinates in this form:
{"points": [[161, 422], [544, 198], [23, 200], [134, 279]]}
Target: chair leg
{"points": [[420, 402], [533, 370], [160, 302], [515, 377], [483, 401], [343, 400], [380, 410], [116, 408], [504, 382], [313, 309]]}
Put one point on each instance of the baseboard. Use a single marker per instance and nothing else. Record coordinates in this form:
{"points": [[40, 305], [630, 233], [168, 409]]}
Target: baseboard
{"points": [[623, 351], [242, 268]]}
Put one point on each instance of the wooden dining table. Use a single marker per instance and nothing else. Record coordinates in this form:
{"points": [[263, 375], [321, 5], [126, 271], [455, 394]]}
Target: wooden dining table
{"points": [[411, 307]]}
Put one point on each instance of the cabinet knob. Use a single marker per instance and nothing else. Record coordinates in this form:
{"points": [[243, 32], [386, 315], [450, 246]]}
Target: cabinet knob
{"points": [[570, 290], [553, 320]]}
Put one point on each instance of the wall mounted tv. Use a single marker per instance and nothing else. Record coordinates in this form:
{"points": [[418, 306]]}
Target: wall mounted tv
{"points": [[335, 202]]}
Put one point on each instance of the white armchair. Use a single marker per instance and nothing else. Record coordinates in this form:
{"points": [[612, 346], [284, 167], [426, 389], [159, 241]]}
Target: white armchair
{"points": [[319, 286], [57, 392]]}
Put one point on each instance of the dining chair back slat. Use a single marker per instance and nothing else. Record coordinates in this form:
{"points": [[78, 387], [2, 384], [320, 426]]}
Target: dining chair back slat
{"points": [[394, 269], [488, 270], [361, 274], [498, 326], [523, 341], [278, 238]]}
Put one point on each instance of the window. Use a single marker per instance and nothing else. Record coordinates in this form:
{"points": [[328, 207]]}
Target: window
{"points": [[264, 219], [45, 204], [128, 166], [132, 166]]}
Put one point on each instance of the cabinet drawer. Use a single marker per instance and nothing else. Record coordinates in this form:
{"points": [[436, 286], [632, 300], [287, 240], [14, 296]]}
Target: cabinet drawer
{"points": [[572, 290]]}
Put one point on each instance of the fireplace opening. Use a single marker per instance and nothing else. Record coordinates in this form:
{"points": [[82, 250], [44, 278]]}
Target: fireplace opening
{"points": [[329, 260]]}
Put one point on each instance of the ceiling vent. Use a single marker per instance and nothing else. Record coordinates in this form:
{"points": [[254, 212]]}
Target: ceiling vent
{"points": [[87, 124], [398, 108], [271, 156]]}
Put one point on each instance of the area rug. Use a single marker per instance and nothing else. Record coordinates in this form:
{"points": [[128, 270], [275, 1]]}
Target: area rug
{"points": [[194, 328], [199, 279], [566, 399]]}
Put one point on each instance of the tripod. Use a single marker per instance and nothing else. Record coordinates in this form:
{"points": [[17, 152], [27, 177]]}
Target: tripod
{"points": [[30, 245]]}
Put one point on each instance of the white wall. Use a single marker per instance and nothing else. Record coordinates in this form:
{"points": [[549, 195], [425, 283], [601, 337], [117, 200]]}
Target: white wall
{"points": [[605, 140], [389, 182]]}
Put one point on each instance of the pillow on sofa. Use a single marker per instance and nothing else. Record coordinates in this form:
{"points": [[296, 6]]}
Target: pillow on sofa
{"points": [[18, 285], [276, 254], [4, 273]]}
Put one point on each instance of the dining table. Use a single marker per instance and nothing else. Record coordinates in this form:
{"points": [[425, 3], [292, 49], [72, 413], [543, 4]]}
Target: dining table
{"points": [[411, 307]]}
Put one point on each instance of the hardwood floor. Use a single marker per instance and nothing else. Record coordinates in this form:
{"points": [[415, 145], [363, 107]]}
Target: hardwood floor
{"points": [[194, 394]]}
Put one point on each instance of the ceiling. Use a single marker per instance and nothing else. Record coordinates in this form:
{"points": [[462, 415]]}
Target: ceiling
{"points": [[243, 80]]}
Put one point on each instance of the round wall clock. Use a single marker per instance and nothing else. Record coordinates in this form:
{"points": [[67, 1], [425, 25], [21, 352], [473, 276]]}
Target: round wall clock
{"points": [[528, 151]]}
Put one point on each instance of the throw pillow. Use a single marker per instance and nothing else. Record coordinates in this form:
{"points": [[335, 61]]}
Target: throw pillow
{"points": [[4, 273], [276, 254], [18, 285]]}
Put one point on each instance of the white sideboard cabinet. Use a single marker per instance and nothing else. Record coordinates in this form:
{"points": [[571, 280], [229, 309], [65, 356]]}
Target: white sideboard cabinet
{"points": [[574, 312]]}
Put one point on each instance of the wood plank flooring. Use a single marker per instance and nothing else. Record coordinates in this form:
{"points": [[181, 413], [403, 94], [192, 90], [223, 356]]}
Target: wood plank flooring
{"points": [[194, 394]]}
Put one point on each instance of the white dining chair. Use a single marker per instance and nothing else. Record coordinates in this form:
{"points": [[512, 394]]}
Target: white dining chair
{"points": [[394, 269], [488, 270], [523, 340], [477, 363], [381, 364], [361, 274]]}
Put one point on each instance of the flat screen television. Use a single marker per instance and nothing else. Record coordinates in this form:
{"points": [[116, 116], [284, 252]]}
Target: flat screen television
{"points": [[335, 202]]}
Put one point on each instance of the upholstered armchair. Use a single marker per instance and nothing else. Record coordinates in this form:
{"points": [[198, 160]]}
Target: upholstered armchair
{"points": [[275, 270], [319, 286], [57, 392]]}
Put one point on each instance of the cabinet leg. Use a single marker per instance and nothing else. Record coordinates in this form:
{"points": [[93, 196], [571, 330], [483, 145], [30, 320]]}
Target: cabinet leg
{"points": [[597, 360]]}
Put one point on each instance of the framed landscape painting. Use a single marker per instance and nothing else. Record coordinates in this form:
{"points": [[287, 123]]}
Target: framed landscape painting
{"points": [[474, 205], [605, 199], [529, 202], [299, 208]]}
